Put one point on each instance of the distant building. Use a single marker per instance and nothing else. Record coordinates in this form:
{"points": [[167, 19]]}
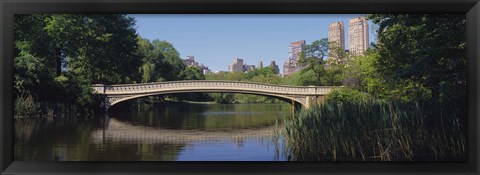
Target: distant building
{"points": [[358, 35], [336, 34], [290, 66], [247, 68], [239, 66], [260, 65], [190, 61], [206, 70], [236, 66], [275, 67]]}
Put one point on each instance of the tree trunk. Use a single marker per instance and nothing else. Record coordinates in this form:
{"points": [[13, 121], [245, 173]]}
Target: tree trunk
{"points": [[58, 59], [435, 94]]}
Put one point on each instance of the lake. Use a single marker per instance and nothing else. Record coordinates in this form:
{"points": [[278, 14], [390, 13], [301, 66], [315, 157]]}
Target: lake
{"points": [[157, 132]]}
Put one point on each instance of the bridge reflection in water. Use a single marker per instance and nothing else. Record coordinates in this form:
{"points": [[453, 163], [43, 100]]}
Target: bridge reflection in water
{"points": [[126, 132], [304, 95]]}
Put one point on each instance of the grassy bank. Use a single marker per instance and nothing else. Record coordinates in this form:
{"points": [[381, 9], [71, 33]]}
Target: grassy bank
{"points": [[376, 130]]}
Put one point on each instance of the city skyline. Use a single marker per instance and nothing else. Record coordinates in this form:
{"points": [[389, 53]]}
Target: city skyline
{"points": [[215, 40]]}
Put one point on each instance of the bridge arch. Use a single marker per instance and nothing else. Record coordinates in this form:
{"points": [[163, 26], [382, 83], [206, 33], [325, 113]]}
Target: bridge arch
{"points": [[303, 95], [281, 97]]}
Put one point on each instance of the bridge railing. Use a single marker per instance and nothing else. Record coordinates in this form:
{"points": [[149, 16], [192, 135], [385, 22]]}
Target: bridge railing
{"points": [[208, 84]]}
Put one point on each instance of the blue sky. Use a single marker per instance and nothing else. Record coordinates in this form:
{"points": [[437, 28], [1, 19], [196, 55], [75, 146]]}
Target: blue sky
{"points": [[215, 40]]}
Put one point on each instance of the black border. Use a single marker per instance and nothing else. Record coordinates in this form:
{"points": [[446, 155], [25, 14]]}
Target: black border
{"points": [[9, 7]]}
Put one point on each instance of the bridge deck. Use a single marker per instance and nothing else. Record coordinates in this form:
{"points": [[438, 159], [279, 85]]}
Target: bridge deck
{"points": [[124, 89]]}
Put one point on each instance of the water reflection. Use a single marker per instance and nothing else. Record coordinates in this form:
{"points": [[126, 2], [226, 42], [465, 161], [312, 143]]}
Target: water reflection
{"points": [[160, 133], [203, 116]]}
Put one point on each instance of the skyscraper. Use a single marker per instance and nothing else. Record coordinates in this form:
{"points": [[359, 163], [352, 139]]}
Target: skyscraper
{"points": [[336, 34], [290, 66], [358, 35], [336, 38]]}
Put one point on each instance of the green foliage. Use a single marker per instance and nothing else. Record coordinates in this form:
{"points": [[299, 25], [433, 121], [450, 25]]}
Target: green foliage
{"points": [[61, 55], [265, 71], [172, 64], [269, 78], [25, 105], [309, 78], [262, 75], [223, 98], [148, 72], [426, 50], [312, 57], [346, 95], [379, 85], [333, 75], [192, 73], [30, 72], [337, 55], [249, 98], [377, 130], [406, 99], [316, 70], [292, 79], [161, 61]]}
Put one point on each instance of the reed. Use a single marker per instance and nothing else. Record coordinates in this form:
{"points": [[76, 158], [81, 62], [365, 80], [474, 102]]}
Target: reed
{"points": [[26, 107], [375, 130]]}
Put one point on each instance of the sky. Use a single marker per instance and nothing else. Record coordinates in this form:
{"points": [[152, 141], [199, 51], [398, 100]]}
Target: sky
{"points": [[215, 40]]}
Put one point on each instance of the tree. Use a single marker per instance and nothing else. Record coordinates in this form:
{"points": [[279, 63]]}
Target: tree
{"points": [[265, 71], [424, 49], [333, 75], [151, 61], [78, 50], [94, 46], [312, 59], [337, 55], [269, 78], [171, 63], [30, 72], [191, 73]]}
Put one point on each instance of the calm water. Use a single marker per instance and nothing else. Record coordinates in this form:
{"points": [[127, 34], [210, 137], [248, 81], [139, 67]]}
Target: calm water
{"points": [[167, 132]]}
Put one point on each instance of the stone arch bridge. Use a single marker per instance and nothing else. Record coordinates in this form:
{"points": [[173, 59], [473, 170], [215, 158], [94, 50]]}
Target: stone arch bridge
{"points": [[304, 95]]}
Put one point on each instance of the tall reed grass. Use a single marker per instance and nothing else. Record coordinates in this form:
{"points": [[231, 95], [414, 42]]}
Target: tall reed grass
{"points": [[26, 106], [374, 130]]}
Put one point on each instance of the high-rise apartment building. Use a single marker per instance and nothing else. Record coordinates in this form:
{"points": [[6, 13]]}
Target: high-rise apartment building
{"points": [[290, 66], [336, 34], [236, 66], [336, 38], [358, 35]]}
